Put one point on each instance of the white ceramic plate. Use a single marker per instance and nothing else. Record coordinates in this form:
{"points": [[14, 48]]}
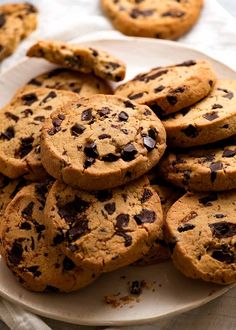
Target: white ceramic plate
{"points": [[168, 292]]}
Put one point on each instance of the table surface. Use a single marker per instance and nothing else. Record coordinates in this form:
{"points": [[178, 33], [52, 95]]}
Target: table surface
{"points": [[229, 5]]}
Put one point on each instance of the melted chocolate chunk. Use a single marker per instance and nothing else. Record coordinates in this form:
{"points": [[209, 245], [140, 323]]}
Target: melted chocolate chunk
{"points": [[223, 255], [147, 194], [2, 20], [211, 115], [145, 216], [16, 253], [110, 208], [90, 150], [159, 89], [129, 104], [127, 238], [25, 225], [34, 270], [28, 211], [190, 131], [86, 115], [103, 195], [185, 227], [8, 134], [135, 96], [29, 98], [110, 158], [11, 116], [223, 229], [214, 167], [122, 220], [128, 152], [104, 136], [187, 63], [77, 129], [206, 201], [25, 147], [80, 229], [68, 264], [149, 143], [172, 100], [71, 212], [123, 116], [229, 153]]}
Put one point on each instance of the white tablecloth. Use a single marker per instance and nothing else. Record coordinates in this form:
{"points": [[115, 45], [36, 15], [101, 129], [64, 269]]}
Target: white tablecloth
{"points": [[215, 34]]}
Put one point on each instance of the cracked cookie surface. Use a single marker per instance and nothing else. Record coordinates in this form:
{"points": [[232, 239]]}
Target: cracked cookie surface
{"points": [[106, 229], [101, 142], [201, 230], [169, 89], [31, 256], [80, 58], [165, 19]]}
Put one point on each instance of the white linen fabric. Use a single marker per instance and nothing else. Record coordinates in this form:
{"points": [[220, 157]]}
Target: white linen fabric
{"points": [[215, 34]]}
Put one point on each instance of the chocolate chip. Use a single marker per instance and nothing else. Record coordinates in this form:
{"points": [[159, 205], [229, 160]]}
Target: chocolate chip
{"points": [[214, 167], [104, 136], [216, 106], [77, 129], [206, 201], [16, 253], [51, 95], [27, 113], [219, 216], [187, 63], [229, 153], [25, 147], [29, 98], [110, 158], [123, 116], [68, 264], [223, 255], [80, 229], [71, 212], [127, 238], [28, 211], [159, 89], [8, 134], [223, 229], [25, 225], [172, 100], [11, 116], [129, 104], [211, 115], [90, 150], [103, 195], [104, 111], [34, 270], [86, 115], [35, 82], [190, 131], [145, 216], [135, 96], [136, 288], [178, 90], [149, 143], [147, 194], [185, 227], [110, 208], [122, 220], [89, 162], [157, 109], [2, 20], [128, 152]]}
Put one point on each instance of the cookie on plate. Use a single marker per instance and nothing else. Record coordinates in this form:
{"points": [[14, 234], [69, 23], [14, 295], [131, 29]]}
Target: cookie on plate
{"points": [[171, 88], [17, 21], [101, 142], [201, 230], [210, 120], [64, 79], [20, 128], [31, 256], [106, 229], [80, 58], [165, 19], [210, 168]]}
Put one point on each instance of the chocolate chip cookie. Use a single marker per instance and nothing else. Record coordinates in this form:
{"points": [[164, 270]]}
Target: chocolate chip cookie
{"points": [[212, 119], [201, 230], [211, 168], [105, 229], [165, 19], [36, 262], [20, 128], [172, 88], [101, 142], [17, 21], [64, 79], [80, 58]]}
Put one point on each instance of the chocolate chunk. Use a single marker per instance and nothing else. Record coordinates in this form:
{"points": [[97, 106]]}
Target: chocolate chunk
{"points": [[103, 195], [51, 95], [110, 158], [86, 115], [41, 191], [187, 63], [149, 143], [136, 288], [206, 201], [157, 109], [94, 52], [145, 216], [11, 116], [211, 115], [68, 264], [136, 12], [16, 253], [28, 211], [159, 89], [147, 194], [27, 113], [155, 75], [123, 116], [219, 216], [128, 152], [173, 13], [135, 96], [77, 129], [25, 225], [223, 255], [2, 20], [104, 136], [152, 132], [172, 100], [104, 111], [190, 131], [127, 238], [110, 208], [189, 217], [216, 106], [229, 153], [129, 104], [58, 239], [185, 227], [223, 229], [178, 90], [228, 94], [89, 162], [34, 270], [80, 229], [29, 98], [8, 134], [122, 220], [25, 147], [90, 150], [39, 118], [35, 82], [71, 212], [214, 167]]}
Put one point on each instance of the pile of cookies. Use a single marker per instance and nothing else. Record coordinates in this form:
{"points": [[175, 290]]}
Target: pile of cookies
{"points": [[82, 189]]}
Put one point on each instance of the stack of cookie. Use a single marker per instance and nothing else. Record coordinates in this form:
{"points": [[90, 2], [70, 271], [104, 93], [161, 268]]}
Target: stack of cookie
{"points": [[80, 181], [198, 113]]}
